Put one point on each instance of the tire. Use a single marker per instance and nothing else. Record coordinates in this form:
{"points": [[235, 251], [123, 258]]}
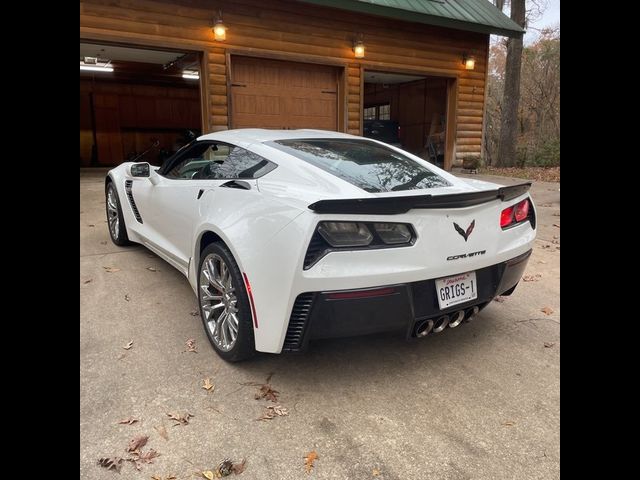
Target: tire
{"points": [[115, 219], [234, 310]]}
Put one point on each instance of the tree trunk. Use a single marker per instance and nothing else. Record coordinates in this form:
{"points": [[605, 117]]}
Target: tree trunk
{"points": [[511, 96]]}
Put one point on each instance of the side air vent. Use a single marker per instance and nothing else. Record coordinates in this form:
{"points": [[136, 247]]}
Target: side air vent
{"points": [[128, 185], [318, 247], [298, 322]]}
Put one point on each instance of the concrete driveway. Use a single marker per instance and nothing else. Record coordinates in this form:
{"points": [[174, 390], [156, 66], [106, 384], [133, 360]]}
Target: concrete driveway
{"points": [[479, 401]]}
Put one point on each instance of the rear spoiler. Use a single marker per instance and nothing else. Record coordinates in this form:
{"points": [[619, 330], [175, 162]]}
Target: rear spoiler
{"points": [[395, 205]]}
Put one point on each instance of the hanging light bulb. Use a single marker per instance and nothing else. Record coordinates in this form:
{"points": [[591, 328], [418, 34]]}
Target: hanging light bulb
{"points": [[219, 29]]}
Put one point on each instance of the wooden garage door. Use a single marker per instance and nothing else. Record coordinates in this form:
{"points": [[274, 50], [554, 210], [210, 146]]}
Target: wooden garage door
{"points": [[279, 94]]}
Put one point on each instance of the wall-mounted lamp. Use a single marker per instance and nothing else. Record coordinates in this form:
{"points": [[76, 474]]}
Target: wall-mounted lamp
{"points": [[469, 62], [219, 28], [358, 48]]}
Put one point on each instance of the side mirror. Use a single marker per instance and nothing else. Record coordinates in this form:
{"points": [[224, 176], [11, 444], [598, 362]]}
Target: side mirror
{"points": [[142, 169]]}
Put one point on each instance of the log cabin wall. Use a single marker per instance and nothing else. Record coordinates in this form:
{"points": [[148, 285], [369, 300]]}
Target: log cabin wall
{"points": [[288, 30]]}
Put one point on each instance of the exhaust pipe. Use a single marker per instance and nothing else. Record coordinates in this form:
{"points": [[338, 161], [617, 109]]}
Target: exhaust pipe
{"points": [[424, 328], [456, 319], [441, 324], [471, 312]]}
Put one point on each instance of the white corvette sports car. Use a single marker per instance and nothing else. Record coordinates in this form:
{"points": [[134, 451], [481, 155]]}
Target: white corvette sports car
{"points": [[292, 235]]}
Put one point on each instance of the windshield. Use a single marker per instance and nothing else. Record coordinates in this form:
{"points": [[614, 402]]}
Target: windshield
{"points": [[365, 164]]}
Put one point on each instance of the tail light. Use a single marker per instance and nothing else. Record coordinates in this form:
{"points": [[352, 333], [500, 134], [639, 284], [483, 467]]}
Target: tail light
{"points": [[516, 214]]}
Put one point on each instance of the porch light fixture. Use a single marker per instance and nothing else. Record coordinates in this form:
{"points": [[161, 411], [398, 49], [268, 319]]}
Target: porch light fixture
{"points": [[191, 74], [469, 62], [358, 48], [219, 29]]}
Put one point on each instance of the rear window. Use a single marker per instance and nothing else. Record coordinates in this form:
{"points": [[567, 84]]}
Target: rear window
{"points": [[367, 165]]}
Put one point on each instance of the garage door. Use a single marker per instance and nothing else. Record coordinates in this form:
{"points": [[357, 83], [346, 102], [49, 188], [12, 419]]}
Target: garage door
{"points": [[279, 94]]}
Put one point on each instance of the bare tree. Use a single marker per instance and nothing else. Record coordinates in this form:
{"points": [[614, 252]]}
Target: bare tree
{"points": [[511, 96]]}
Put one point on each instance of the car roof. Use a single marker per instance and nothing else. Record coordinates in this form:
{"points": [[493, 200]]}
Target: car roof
{"points": [[260, 135]]}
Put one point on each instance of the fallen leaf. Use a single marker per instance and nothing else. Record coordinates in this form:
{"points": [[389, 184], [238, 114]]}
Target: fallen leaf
{"points": [[88, 281], [180, 419], [311, 457], [532, 278], [499, 299], [208, 474], [549, 344], [195, 313], [191, 346], [267, 392], [273, 411], [129, 421], [111, 269], [103, 243], [139, 458], [91, 225], [546, 310], [127, 297], [556, 225], [207, 385], [162, 431], [224, 469], [238, 468], [128, 345], [111, 463], [137, 442], [375, 472], [508, 423], [151, 269]]}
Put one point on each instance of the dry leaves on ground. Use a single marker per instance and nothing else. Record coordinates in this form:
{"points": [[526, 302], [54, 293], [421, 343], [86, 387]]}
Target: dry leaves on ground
{"points": [[556, 225], [375, 472], [546, 310], [91, 225], [139, 458], [162, 431], [152, 269], [267, 392], [111, 463], [137, 443], [128, 345], [180, 419], [226, 468], [129, 421], [207, 385], [159, 477], [273, 411], [309, 458], [195, 313], [191, 346], [532, 278], [111, 269], [509, 423], [88, 281], [548, 344]]}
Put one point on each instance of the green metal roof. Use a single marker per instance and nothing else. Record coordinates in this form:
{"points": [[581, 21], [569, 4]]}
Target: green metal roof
{"points": [[471, 15]]}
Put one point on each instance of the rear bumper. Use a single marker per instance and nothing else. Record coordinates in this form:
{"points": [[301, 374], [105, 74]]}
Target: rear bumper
{"points": [[389, 308]]}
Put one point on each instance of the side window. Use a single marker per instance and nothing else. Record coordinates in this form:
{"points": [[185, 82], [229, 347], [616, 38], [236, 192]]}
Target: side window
{"points": [[237, 163], [193, 161], [218, 161]]}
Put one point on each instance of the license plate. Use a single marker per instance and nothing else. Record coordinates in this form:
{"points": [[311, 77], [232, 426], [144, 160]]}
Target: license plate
{"points": [[457, 289]]}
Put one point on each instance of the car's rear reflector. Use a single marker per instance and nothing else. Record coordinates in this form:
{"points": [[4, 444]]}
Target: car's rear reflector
{"points": [[374, 292]]}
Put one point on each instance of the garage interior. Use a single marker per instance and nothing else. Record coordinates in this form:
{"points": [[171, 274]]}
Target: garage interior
{"points": [[407, 110], [135, 100]]}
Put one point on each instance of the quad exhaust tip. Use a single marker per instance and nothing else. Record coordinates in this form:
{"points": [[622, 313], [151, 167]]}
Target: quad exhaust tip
{"points": [[456, 319], [471, 312], [424, 328], [441, 324]]}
